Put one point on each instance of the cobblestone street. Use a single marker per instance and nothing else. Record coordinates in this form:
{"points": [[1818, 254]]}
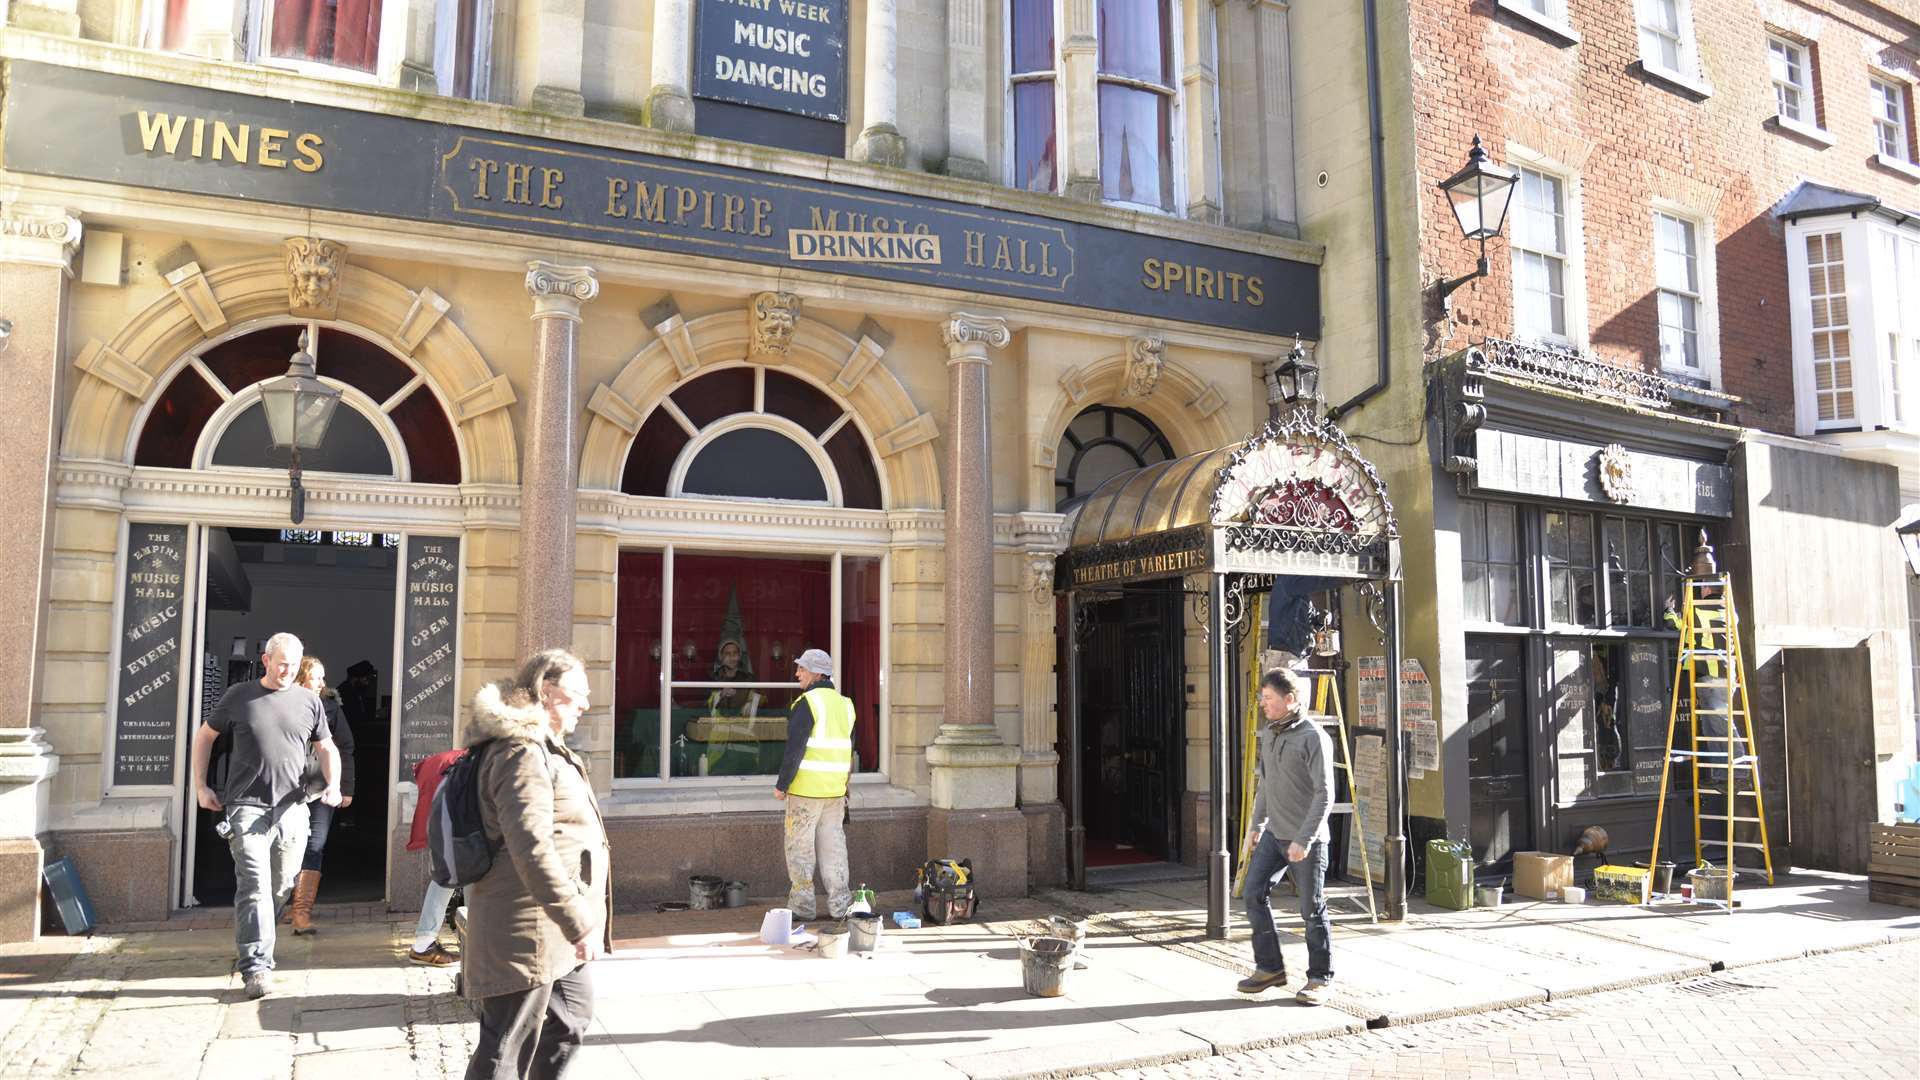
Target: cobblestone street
{"points": [[1851, 1014]]}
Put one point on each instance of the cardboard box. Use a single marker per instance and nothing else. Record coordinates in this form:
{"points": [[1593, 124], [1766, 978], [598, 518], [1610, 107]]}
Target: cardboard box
{"points": [[1540, 875]]}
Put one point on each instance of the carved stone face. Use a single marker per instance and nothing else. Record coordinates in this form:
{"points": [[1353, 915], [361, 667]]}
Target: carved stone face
{"points": [[312, 283], [775, 315], [313, 275]]}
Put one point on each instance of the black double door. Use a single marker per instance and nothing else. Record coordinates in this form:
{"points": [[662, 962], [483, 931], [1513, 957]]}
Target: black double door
{"points": [[1131, 726], [1499, 751]]}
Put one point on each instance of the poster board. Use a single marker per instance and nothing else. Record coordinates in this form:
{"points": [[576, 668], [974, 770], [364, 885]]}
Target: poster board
{"points": [[147, 678], [428, 657]]}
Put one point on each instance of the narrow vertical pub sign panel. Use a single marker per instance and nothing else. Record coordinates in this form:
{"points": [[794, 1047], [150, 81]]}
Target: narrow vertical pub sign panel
{"points": [[786, 55], [152, 623], [428, 659]]}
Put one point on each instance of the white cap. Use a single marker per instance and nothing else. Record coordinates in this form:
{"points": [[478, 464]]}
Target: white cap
{"points": [[816, 661]]}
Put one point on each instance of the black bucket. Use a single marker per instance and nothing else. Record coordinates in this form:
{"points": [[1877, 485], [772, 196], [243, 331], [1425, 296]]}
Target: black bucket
{"points": [[706, 892]]}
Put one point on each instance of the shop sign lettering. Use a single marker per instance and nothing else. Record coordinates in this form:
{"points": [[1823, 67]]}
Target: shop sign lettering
{"points": [[428, 656], [773, 54]]}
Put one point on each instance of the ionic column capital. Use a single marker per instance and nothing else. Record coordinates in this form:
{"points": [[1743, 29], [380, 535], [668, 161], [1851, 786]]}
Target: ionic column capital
{"points": [[558, 291], [968, 337], [39, 235]]}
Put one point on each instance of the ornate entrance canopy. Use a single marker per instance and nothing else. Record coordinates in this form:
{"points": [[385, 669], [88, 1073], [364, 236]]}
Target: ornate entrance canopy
{"points": [[1294, 499]]}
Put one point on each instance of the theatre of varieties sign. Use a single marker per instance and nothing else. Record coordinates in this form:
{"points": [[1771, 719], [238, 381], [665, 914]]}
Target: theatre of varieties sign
{"points": [[88, 125]]}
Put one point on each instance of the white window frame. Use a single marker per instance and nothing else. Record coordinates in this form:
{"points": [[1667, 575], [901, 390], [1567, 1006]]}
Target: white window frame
{"points": [[1010, 145], [1895, 132], [1549, 15], [1853, 240], [445, 25], [1781, 70], [1175, 92], [1685, 71], [389, 52], [1706, 291], [1573, 279], [1895, 319]]}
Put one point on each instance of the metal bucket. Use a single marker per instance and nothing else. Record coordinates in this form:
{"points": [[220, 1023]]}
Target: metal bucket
{"points": [[736, 894], [706, 892], [863, 931], [1045, 963], [1488, 895], [832, 944]]}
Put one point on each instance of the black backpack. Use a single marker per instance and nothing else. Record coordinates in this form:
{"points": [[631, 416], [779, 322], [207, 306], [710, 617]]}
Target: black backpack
{"points": [[457, 844]]}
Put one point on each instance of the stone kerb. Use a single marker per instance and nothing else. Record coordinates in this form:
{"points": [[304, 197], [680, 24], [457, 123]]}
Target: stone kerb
{"points": [[909, 476]]}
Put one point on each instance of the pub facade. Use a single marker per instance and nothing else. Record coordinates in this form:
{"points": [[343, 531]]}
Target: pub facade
{"points": [[691, 342]]}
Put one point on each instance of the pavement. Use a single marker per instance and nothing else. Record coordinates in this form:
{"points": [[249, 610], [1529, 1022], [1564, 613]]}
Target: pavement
{"points": [[696, 993]]}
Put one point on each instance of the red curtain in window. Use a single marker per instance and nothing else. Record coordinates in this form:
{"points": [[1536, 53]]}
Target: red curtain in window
{"points": [[342, 32]]}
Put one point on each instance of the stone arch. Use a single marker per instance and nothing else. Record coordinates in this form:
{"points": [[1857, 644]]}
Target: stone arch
{"points": [[899, 432], [136, 363], [1191, 412]]}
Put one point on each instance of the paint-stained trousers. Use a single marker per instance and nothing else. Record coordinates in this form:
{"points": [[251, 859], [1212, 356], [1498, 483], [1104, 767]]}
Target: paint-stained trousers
{"points": [[816, 838]]}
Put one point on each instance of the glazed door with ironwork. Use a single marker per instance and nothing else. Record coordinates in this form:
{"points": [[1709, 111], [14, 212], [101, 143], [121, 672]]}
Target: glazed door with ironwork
{"points": [[1131, 727], [1499, 779]]}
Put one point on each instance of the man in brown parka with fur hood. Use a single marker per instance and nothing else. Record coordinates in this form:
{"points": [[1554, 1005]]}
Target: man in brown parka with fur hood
{"points": [[540, 915]]}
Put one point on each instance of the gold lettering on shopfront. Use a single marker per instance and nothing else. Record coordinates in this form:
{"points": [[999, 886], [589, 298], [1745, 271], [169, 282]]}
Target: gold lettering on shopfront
{"points": [[1027, 258], [1166, 275], [214, 139]]}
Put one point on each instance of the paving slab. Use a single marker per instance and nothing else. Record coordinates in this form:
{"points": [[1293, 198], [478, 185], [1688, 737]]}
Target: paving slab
{"points": [[174, 1035], [1272, 1025], [258, 1057], [1077, 1058]]}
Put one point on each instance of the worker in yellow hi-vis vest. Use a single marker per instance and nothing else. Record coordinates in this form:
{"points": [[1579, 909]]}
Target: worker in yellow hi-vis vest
{"points": [[813, 783]]}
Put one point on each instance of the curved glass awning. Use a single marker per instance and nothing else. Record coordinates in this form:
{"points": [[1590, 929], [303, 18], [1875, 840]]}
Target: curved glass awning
{"points": [[1294, 499]]}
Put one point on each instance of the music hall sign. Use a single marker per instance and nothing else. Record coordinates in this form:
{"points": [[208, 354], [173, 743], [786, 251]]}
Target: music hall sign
{"points": [[88, 125]]}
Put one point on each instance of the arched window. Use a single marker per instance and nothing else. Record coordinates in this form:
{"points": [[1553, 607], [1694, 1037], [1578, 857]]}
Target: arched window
{"points": [[1101, 443], [380, 386], [752, 433]]}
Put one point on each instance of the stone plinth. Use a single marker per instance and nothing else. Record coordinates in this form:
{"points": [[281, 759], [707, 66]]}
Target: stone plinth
{"points": [[995, 841]]}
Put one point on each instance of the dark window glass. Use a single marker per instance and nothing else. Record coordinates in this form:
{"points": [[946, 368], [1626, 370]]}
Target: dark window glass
{"points": [[755, 463], [1134, 42], [251, 358], [637, 656], [716, 395], [351, 445], [800, 402], [650, 459], [1490, 562], [1032, 35], [360, 364], [174, 424], [859, 659], [1101, 443], [859, 483], [1572, 578], [1034, 151], [1136, 150], [431, 449]]}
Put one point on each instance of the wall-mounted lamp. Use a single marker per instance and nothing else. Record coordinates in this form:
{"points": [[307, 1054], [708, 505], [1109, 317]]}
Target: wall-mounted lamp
{"points": [[299, 407], [1479, 195], [777, 650]]}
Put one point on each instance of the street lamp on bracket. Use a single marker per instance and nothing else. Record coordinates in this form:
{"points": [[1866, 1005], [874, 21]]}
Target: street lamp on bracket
{"points": [[1479, 196], [1295, 381], [299, 408]]}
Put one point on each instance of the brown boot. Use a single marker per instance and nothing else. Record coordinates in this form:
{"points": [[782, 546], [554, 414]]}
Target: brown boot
{"points": [[305, 888]]}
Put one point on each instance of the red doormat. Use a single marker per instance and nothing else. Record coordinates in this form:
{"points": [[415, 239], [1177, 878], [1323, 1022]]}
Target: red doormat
{"points": [[1112, 853]]}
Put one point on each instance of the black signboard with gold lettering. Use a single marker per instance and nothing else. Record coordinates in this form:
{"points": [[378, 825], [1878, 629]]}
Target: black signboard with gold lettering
{"points": [[427, 656], [152, 623], [90, 125]]}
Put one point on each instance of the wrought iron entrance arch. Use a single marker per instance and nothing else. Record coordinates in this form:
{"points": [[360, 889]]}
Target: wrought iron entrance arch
{"points": [[1295, 499]]}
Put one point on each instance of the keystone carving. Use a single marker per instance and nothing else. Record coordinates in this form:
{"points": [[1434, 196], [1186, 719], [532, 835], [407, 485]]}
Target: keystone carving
{"points": [[775, 314], [1146, 359], [313, 276], [1458, 392]]}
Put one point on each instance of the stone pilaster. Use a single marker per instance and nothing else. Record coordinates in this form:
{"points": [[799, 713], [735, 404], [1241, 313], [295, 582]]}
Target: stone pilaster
{"points": [[966, 90], [37, 245], [1199, 82], [669, 104], [975, 775], [880, 140], [213, 30], [416, 68], [547, 503], [550, 44], [1276, 100], [46, 16], [1079, 81]]}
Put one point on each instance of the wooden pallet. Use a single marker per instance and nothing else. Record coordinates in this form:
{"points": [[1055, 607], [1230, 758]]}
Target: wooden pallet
{"points": [[1893, 864]]}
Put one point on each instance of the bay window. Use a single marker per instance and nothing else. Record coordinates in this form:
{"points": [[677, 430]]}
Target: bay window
{"points": [[1136, 92], [1036, 161], [338, 33]]}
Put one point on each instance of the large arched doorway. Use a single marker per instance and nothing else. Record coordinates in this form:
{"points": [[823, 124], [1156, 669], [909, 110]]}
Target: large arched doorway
{"points": [[1132, 710], [337, 581]]}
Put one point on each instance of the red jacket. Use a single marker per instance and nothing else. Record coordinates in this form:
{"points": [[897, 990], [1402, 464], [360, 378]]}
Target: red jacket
{"points": [[426, 777]]}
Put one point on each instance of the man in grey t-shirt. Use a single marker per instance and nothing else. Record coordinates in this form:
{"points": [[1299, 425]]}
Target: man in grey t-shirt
{"points": [[1291, 802], [272, 722]]}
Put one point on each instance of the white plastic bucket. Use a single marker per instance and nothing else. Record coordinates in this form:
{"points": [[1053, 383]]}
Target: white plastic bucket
{"points": [[776, 926]]}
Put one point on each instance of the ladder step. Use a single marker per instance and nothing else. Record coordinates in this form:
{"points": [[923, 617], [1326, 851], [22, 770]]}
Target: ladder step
{"points": [[1721, 792], [1709, 684], [1737, 843], [1717, 818], [1720, 654], [1347, 808]]}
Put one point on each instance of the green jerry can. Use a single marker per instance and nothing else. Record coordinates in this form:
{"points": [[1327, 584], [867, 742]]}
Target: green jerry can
{"points": [[1450, 874]]}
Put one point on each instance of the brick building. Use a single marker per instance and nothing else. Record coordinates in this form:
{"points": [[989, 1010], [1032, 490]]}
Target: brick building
{"points": [[1679, 163]]}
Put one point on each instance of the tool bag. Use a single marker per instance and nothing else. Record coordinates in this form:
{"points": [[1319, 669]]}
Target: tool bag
{"points": [[944, 888]]}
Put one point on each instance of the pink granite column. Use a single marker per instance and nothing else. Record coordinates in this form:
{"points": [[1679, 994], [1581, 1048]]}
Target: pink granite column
{"points": [[546, 467], [969, 584], [36, 251]]}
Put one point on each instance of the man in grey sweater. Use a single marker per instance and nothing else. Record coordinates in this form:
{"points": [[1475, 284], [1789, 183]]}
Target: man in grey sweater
{"points": [[1294, 790]]}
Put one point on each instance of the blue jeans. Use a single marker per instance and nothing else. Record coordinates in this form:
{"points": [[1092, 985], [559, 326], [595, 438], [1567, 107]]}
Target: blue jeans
{"points": [[1266, 868], [433, 912], [266, 858], [319, 824]]}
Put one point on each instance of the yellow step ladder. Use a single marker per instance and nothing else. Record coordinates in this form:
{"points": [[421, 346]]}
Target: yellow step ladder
{"points": [[1718, 745], [1323, 708]]}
